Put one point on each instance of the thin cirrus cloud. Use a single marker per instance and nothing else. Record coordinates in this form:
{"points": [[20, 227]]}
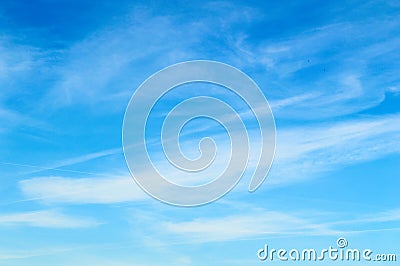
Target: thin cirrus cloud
{"points": [[23, 254], [82, 190], [8, 118], [336, 135], [15, 59], [260, 223], [330, 75], [245, 226], [338, 63], [104, 65], [392, 215], [76, 160], [46, 218], [344, 143], [302, 152]]}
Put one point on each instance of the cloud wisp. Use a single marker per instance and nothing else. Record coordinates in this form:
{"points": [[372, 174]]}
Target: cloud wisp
{"points": [[47, 219], [253, 225], [82, 190], [302, 153], [261, 224]]}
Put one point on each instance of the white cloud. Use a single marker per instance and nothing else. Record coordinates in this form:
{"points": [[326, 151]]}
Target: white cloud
{"points": [[7, 119], [107, 65], [10, 119], [82, 190], [15, 59], [392, 215], [297, 141], [290, 101], [304, 151], [258, 223], [337, 63], [77, 160], [46, 218], [244, 226], [394, 89], [12, 255]]}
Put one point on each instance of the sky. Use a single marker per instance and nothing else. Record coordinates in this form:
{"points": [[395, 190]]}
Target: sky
{"points": [[330, 71]]}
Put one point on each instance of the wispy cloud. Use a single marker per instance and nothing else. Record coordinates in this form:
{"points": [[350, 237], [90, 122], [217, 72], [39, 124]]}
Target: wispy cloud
{"points": [[77, 160], [290, 101], [336, 62], [82, 190], [46, 218], [22, 255], [252, 225], [323, 69], [105, 65], [14, 59], [392, 215], [261, 223], [303, 151], [8, 119]]}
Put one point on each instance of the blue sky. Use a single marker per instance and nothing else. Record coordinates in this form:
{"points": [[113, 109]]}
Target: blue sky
{"points": [[330, 71]]}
